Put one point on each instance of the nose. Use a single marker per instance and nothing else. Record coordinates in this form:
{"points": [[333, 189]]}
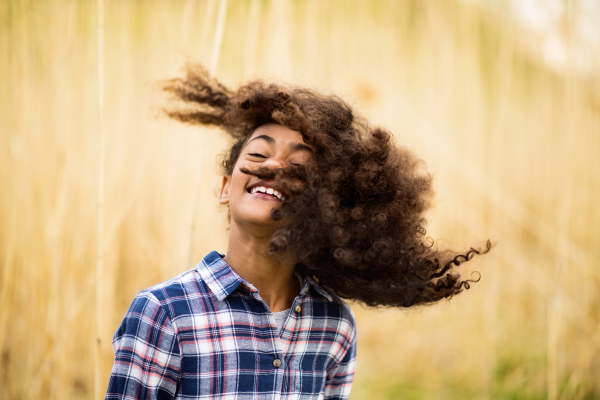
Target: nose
{"points": [[274, 163]]}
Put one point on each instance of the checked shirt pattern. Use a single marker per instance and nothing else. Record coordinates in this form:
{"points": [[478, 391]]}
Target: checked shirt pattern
{"points": [[207, 334]]}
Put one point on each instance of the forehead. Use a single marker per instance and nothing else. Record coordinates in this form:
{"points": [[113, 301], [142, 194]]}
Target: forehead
{"points": [[277, 132]]}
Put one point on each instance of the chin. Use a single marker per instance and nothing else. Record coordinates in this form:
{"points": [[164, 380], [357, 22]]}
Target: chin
{"points": [[257, 220]]}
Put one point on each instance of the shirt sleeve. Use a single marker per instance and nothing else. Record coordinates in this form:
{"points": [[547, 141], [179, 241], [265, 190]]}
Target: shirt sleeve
{"points": [[147, 354], [339, 379]]}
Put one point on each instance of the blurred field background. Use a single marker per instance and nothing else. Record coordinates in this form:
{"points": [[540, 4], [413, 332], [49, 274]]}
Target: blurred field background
{"points": [[500, 98]]}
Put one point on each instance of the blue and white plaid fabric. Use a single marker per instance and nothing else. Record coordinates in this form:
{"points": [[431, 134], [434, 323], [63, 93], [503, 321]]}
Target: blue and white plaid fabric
{"points": [[207, 334]]}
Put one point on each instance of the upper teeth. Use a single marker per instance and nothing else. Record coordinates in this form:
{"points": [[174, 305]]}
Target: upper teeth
{"points": [[271, 191]]}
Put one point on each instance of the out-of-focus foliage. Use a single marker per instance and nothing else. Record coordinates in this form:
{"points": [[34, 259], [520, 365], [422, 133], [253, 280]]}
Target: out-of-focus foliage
{"points": [[513, 143]]}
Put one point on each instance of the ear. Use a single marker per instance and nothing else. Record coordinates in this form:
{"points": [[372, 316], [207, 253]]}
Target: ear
{"points": [[224, 194]]}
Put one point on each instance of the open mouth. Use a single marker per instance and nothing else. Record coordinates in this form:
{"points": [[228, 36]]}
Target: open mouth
{"points": [[268, 191]]}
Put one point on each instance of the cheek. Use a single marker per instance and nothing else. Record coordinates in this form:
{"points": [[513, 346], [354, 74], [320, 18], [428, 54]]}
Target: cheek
{"points": [[239, 182]]}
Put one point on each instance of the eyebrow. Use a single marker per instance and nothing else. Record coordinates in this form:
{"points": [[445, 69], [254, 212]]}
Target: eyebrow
{"points": [[268, 139], [301, 146], [293, 146]]}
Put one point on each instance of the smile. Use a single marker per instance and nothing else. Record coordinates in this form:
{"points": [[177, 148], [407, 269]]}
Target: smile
{"points": [[269, 191]]}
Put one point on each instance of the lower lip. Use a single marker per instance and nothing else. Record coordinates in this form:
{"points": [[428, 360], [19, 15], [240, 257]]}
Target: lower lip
{"points": [[266, 197]]}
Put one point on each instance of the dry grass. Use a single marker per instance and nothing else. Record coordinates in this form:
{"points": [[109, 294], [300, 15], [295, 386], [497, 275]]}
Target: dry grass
{"points": [[514, 146]]}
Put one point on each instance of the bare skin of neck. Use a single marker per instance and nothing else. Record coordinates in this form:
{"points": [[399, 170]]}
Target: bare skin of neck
{"points": [[272, 275]]}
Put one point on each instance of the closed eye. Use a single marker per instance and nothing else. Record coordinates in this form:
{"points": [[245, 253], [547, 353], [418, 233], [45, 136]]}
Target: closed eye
{"points": [[257, 155]]}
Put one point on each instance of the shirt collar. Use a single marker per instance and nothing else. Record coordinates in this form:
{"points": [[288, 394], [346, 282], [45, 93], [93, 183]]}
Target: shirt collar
{"points": [[308, 281], [222, 280], [218, 275]]}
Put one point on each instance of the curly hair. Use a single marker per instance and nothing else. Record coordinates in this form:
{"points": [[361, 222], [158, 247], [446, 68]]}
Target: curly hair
{"points": [[357, 225]]}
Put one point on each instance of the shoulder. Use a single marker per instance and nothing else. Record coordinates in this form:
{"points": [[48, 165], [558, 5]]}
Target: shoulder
{"points": [[331, 322], [174, 295], [184, 283], [334, 312], [346, 314]]}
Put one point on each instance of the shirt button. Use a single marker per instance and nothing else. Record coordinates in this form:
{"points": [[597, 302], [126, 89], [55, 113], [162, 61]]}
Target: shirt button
{"points": [[298, 309], [277, 363]]}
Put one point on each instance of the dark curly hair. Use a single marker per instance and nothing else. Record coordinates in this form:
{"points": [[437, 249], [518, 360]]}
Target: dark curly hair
{"points": [[358, 214]]}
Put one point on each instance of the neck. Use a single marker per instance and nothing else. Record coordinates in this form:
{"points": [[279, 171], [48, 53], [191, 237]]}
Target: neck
{"points": [[272, 275]]}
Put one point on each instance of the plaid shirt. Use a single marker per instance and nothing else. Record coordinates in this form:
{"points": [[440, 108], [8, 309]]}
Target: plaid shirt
{"points": [[207, 334]]}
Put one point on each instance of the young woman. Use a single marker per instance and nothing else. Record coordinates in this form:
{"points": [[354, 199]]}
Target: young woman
{"points": [[322, 208]]}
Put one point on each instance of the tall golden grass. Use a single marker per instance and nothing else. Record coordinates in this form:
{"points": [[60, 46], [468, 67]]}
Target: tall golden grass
{"points": [[513, 143]]}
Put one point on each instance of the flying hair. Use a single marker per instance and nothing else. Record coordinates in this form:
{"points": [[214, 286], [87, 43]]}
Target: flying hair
{"points": [[357, 224]]}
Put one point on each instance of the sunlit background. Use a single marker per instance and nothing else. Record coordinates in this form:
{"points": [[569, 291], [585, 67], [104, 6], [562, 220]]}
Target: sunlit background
{"points": [[101, 196]]}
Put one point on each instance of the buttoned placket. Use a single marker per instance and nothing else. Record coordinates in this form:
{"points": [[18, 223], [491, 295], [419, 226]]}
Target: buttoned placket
{"points": [[279, 363], [296, 315], [293, 318]]}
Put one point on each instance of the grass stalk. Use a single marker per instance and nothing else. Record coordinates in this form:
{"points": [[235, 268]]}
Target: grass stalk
{"points": [[214, 59], [100, 206]]}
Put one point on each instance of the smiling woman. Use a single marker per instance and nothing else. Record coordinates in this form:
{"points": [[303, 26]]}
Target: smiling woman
{"points": [[270, 146], [322, 207]]}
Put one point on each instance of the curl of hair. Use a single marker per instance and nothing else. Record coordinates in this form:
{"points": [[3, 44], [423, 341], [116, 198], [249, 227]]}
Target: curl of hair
{"points": [[357, 218]]}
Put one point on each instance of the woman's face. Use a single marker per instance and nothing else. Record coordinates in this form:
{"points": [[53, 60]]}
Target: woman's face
{"points": [[250, 198]]}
